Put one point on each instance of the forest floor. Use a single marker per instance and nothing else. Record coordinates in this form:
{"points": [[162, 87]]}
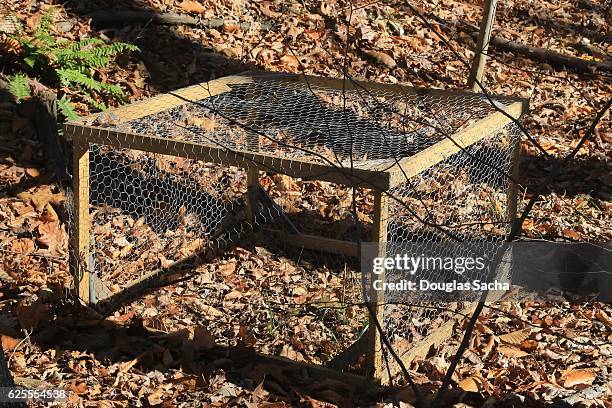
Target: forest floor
{"points": [[190, 344]]}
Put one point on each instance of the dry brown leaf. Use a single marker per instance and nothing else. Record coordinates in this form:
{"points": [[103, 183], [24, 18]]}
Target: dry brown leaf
{"points": [[319, 404], [9, 343], [227, 269], [516, 337], [285, 183], [203, 123], [31, 315], [569, 233], [209, 310], [192, 7], [32, 172], [127, 366], [488, 347], [603, 317], [49, 214], [22, 246], [78, 388], [576, 377], [155, 398], [202, 339], [512, 352], [234, 294], [290, 62], [52, 236], [290, 353], [259, 394], [471, 384], [529, 345], [265, 10], [382, 58], [41, 196]]}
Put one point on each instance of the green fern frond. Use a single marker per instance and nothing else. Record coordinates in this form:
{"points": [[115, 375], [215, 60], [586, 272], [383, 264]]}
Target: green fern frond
{"points": [[87, 42], [19, 86], [66, 107], [95, 104], [72, 76], [114, 90], [46, 21], [72, 63]]}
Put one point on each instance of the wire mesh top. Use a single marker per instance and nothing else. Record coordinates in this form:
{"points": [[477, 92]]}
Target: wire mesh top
{"points": [[310, 120]]}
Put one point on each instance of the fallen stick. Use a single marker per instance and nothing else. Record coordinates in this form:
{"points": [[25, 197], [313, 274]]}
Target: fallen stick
{"points": [[551, 57], [540, 54], [110, 17]]}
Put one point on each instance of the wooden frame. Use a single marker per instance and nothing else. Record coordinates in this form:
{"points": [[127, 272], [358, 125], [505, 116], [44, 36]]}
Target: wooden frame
{"points": [[378, 175], [482, 46]]}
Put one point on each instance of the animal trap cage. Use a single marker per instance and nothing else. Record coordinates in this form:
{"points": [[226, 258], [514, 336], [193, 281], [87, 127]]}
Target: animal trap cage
{"points": [[163, 184]]}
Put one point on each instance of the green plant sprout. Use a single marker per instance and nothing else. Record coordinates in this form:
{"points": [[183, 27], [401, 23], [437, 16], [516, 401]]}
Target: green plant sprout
{"points": [[64, 63]]}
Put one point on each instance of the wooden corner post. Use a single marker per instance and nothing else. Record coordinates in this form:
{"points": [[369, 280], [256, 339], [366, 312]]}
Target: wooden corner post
{"points": [[252, 170], [512, 195], [374, 350], [79, 255], [484, 36]]}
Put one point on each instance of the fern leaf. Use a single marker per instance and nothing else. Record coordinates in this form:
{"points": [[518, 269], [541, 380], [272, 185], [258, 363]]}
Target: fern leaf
{"points": [[72, 76], [95, 104], [19, 86], [66, 107]]}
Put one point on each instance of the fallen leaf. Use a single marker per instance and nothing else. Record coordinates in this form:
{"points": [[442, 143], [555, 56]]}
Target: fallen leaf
{"points": [[488, 347], [52, 236], [32, 172], [227, 269], [234, 294], [515, 337], [512, 352], [41, 196], [80, 388], [577, 377], [603, 317], [203, 123], [192, 7], [471, 384], [155, 398], [569, 233], [32, 315], [265, 10], [290, 353], [202, 339], [382, 58], [319, 404], [290, 62], [9, 343], [22, 246], [529, 345], [259, 394]]}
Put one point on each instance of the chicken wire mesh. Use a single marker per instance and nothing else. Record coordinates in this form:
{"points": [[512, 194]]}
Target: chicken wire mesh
{"points": [[312, 121], [458, 207], [153, 204]]}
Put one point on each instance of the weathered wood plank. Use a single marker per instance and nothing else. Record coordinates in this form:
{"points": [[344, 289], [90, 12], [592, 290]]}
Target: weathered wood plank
{"points": [[160, 103], [317, 243], [240, 158], [374, 347], [512, 195], [79, 254], [405, 168], [375, 88], [482, 46]]}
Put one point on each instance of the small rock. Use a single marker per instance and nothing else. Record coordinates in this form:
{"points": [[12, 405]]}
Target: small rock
{"points": [[64, 26]]}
